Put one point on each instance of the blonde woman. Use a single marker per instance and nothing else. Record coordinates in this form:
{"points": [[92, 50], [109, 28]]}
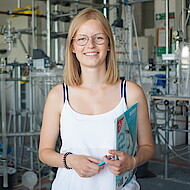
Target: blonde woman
{"points": [[83, 109]]}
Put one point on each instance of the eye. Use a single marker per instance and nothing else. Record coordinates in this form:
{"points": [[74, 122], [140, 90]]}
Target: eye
{"points": [[99, 37], [81, 38]]}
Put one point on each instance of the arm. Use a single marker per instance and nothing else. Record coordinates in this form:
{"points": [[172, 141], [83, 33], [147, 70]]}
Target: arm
{"points": [[144, 131], [85, 166], [144, 134], [50, 128]]}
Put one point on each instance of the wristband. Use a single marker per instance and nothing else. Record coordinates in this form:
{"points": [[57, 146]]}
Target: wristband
{"points": [[64, 160]]}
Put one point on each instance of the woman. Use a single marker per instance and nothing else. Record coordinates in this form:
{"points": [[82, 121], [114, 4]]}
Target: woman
{"points": [[84, 108]]}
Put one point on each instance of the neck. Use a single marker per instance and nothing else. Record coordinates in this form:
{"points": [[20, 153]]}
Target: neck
{"points": [[92, 85], [93, 78]]}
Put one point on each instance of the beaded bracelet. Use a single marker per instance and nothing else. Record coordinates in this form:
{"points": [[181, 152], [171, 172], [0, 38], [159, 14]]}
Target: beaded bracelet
{"points": [[64, 160]]}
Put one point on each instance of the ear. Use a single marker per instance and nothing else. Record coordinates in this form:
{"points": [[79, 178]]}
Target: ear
{"points": [[73, 48]]}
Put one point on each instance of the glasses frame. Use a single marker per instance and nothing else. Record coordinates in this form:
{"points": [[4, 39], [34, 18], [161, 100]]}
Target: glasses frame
{"points": [[88, 37]]}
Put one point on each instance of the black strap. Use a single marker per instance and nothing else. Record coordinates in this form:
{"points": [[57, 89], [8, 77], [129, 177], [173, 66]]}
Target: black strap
{"points": [[65, 92], [125, 95], [123, 90]]}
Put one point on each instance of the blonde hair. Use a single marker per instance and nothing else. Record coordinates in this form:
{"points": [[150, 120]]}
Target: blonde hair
{"points": [[72, 70]]}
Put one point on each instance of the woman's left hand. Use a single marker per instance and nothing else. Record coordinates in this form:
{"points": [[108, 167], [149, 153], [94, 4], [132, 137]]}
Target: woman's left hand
{"points": [[117, 167]]}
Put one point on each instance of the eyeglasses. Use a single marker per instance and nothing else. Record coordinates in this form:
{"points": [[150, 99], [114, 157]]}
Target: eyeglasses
{"points": [[82, 39]]}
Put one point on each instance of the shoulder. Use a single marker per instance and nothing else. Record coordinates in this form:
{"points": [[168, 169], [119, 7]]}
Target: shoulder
{"points": [[56, 91], [134, 93], [133, 87], [55, 97]]}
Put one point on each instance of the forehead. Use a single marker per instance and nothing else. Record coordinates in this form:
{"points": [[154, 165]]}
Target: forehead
{"points": [[90, 27]]}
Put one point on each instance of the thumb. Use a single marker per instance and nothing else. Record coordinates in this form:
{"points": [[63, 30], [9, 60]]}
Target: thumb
{"points": [[94, 160]]}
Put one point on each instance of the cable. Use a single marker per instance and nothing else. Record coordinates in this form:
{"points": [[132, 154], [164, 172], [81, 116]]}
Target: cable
{"points": [[170, 147]]}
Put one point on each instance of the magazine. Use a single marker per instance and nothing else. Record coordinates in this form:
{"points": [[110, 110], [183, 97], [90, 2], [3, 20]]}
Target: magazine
{"points": [[126, 140]]}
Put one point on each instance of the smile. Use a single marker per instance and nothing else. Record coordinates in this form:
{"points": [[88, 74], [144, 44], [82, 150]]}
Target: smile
{"points": [[91, 54]]}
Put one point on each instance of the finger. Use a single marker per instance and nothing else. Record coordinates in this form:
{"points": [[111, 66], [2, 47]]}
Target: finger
{"points": [[107, 158], [94, 167], [90, 170], [94, 160], [116, 171], [117, 153]]}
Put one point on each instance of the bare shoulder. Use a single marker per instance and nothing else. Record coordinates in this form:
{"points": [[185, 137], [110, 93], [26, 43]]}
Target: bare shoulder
{"points": [[133, 88], [56, 91], [134, 93], [55, 98]]}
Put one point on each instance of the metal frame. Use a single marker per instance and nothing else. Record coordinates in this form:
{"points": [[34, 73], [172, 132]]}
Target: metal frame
{"points": [[167, 127]]}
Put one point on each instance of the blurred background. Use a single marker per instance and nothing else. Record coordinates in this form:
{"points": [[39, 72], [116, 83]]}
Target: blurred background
{"points": [[152, 40]]}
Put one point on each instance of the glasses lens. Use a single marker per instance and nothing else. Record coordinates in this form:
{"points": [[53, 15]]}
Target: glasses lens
{"points": [[81, 40], [99, 38]]}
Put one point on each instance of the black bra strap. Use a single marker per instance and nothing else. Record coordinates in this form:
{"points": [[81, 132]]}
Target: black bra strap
{"points": [[123, 90], [65, 92]]}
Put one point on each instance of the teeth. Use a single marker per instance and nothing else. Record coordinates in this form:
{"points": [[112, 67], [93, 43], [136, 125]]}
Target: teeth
{"points": [[90, 53]]}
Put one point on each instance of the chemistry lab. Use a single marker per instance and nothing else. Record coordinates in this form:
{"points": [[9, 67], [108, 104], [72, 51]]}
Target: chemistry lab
{"points": [[95, 95]]}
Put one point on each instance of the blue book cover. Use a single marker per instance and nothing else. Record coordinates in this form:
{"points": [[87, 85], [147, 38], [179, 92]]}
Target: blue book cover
{"points": [[126, 140]]}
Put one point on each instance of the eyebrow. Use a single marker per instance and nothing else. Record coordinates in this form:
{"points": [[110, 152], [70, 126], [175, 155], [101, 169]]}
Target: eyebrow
{"points": [[90, 35]]}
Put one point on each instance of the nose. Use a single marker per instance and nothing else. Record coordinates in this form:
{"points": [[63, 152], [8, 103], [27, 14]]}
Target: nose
{"points": [[90, 42]]}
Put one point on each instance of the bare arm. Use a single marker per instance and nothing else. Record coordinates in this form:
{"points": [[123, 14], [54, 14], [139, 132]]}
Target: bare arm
{"points": [[50, 128], [144, 135], [144, 132], [85, 166]]}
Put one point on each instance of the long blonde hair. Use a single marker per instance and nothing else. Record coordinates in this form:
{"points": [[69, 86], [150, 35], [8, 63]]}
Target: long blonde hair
{"points": [[72, 70]]}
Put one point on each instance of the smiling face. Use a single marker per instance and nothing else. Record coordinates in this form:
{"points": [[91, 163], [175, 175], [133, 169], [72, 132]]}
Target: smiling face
{"points": [[89, 22], [91, 54]]}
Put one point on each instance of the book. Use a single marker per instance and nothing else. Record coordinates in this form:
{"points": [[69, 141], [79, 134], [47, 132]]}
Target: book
{"points": [[126, 140]]}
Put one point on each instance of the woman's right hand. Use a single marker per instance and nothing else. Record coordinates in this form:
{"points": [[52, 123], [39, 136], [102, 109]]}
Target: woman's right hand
{"points": [[85, 166]]}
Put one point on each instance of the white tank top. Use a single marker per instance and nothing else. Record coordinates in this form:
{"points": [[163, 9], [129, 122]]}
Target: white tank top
{"points": [[91, 135]]}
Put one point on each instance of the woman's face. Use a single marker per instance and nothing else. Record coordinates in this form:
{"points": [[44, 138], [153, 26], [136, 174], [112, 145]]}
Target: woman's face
{"points": [[90, 45]]}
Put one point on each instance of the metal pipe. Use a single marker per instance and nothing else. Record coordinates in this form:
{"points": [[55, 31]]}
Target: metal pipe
{"points": [[105, 11], [19, 134], [31, 120], [48, 7], [138, 49], [9, 37], [56, 27], [14, 117], [23, 46], [167, 90], [128, 13], [34, 27], [138, 1], [167, 43], [3, 121], [167, 24], [183, 27], [174, 129], [18, 3], [66, 14]]}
